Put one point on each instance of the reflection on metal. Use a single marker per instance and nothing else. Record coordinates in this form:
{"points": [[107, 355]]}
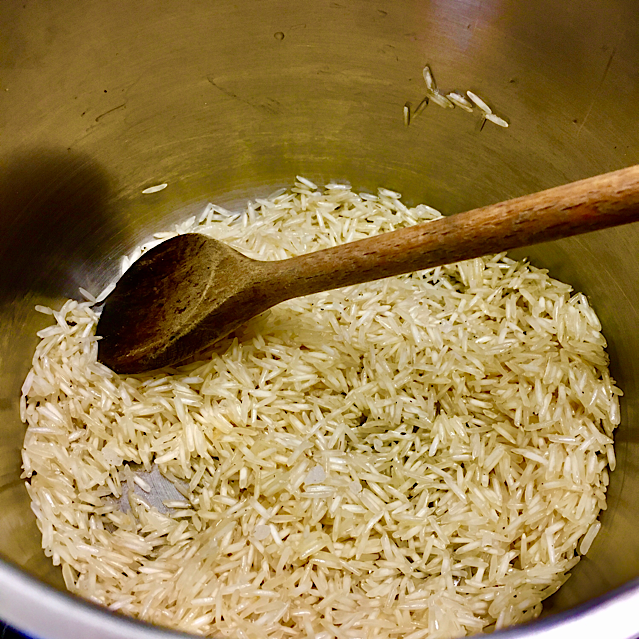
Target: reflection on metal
{"points": [[99, 101]]}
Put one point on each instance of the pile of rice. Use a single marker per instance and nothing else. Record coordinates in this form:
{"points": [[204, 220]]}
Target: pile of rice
{"points": [[423, 456]]}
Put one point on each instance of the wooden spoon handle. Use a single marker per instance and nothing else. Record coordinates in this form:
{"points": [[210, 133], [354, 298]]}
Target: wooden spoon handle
{"points": [[595, 203]]}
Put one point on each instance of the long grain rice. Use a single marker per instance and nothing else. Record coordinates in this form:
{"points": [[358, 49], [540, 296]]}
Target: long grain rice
{"points": [[415, 457]]}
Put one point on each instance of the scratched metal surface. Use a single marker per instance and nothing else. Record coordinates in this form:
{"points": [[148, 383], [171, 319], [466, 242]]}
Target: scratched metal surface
{"points": [[222, 99]]}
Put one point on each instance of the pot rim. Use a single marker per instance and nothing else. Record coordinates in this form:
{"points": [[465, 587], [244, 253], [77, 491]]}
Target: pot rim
{"points": [[37, 609]]}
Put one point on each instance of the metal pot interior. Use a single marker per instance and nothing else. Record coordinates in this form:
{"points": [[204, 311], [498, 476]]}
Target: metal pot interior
{"points": [[226, 100]]}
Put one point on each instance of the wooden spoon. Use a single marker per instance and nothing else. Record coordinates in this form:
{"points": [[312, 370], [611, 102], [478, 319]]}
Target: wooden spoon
{"points": [[192, 290]]}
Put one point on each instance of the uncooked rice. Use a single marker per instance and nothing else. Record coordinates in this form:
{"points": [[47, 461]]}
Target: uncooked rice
{"points": [[407, 114], [459, 100], [495, 119], [479, 102], [155, 189], [440, 99], [416, 457], [429, 78], [450, 101]]}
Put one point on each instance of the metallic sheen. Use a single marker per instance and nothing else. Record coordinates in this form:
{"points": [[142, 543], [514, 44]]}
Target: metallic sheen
{"points": [[225, 99]]}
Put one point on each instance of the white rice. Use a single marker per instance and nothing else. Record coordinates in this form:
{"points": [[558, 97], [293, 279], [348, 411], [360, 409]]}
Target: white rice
{"points": [[431, 85], [451, 100], [407, 114], [440, 99], [415, 457], [479, 102], [495, 119], [459, 100], [155, 189]]}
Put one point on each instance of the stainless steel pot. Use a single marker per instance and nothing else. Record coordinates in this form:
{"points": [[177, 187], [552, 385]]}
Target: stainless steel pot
{"points": [[224, 99]]}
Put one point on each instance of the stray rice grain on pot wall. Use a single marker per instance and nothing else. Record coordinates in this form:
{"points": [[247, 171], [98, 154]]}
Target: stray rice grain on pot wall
{"points": [[450, 101], [422, 456]]}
